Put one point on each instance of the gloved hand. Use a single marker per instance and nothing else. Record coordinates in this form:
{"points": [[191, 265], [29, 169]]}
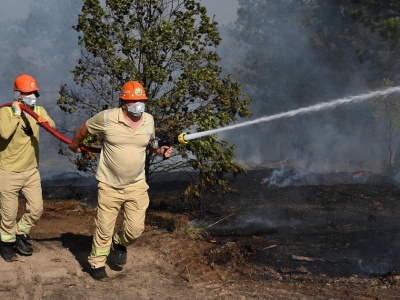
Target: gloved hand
{"points": [[42, 120], [16, 107]]}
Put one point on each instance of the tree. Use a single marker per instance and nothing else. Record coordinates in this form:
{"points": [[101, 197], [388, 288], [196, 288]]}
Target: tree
{"points": [[168, 46]]}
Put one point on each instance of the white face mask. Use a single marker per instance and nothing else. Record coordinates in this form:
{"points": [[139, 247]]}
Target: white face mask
{"points": [[136, 109], [29, 100]]}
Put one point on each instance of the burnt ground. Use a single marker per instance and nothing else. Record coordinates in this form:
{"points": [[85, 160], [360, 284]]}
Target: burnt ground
{"points": [[339, 239]]}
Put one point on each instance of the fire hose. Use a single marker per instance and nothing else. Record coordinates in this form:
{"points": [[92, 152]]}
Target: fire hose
{"points": [[183, 137], [157, 143], [54, 132]]}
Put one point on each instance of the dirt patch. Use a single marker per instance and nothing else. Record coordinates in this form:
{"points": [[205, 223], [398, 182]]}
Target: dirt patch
{"points": [[336, 241]]}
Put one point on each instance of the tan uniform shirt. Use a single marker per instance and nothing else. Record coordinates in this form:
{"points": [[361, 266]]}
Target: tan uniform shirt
{"points": [[19, 148], [122, 159]]}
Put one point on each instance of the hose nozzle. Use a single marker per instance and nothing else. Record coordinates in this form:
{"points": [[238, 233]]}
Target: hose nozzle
{"points": [[161, 141], [181, 138]]}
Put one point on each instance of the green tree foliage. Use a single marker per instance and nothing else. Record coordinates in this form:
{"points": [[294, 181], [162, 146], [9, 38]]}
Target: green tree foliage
{"points": [[168, 46]]}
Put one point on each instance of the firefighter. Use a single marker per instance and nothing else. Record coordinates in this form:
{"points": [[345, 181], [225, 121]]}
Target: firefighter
{"points": [[127, 131], [19, 162]]}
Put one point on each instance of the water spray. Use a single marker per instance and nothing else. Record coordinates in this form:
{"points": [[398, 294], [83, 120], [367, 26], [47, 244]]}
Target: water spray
{"points": [[183, 137]]}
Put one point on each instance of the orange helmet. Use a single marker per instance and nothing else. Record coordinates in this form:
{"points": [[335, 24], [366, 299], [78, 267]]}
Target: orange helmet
{"points": [[132, 90], [25, 84]]}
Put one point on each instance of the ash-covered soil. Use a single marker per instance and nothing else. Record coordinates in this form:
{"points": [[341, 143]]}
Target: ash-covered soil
{"points": [[336, 239]]}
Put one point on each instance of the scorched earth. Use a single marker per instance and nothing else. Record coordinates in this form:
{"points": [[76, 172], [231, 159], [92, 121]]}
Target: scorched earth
{"points": [[339, 239]]}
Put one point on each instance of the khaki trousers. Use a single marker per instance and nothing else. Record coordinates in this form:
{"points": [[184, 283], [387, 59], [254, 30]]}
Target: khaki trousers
{"points": [[11, 183], [133, 200]]}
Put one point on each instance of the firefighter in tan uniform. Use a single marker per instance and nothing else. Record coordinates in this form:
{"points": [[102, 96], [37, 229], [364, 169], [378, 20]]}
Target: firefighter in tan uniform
{"points": [[127, 131], [19, 161]]}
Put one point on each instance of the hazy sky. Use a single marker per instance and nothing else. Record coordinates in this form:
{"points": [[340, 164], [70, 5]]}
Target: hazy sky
{"points": [[224, 10], [14, 9]]}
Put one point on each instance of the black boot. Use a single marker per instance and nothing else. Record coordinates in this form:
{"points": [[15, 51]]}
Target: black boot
{"points": [[22, 244], [8, 251], [119, 255], [98, 273]]}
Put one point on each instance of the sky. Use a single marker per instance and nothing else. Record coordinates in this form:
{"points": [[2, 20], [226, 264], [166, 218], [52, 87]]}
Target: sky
{"points": [[15, 9], [224, 10]]}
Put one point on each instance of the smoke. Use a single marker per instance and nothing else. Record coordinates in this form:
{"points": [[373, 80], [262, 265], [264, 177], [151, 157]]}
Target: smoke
{"points": [[277, 68], [281, 70]]}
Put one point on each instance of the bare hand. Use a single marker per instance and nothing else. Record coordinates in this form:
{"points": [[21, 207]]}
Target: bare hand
{"points": [[166, 151]]}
